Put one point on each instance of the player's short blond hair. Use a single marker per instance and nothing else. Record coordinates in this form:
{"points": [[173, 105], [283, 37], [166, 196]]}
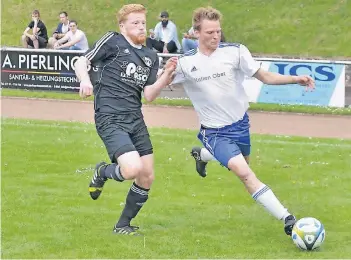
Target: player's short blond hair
{"points": [[128, 9], [205, 13]]}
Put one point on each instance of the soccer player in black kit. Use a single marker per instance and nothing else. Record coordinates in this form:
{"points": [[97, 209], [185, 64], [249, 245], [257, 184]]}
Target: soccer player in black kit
{"points": [[121, 68]]}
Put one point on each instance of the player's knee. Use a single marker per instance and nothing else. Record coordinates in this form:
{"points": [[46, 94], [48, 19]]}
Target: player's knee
{"points": [[245, 175], [132, 171], [147, 177], [240, 167]]}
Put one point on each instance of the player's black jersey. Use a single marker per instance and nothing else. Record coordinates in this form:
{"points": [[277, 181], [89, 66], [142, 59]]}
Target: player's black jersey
{"points": [[119, 72]]}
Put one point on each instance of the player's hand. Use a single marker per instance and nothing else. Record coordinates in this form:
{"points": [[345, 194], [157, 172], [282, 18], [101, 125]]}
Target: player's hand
{"points": [[306, 81], [171, 64], [32, 37], [85, 89]]}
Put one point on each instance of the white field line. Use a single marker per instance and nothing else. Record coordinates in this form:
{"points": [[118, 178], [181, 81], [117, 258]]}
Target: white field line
{"points": [[90, 127]]}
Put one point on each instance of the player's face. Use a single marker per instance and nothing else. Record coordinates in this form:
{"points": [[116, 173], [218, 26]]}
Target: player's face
{"points": [[209, 34], [135, 27]]}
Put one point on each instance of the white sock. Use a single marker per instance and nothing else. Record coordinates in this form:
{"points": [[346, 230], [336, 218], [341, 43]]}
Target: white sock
{"points": [[265, 196], [205, 155]]}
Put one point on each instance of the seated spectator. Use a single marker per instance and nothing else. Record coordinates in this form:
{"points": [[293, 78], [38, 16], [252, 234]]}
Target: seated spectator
{"points": [[74, 39], [190, 41], [164, 38], [39, 37], [61, 30]]}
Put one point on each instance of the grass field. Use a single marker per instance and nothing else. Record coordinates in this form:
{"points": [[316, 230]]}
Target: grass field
{"points": [[47, 212], [183, 102], [300, 28]]}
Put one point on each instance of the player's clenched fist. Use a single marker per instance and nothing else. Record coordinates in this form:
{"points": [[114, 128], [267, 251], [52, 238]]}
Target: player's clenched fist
{"points": [[85, 89]]}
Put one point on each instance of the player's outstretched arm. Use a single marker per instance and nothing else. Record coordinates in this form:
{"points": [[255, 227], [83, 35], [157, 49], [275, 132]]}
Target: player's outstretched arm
{"points": [[81, 69], [272, 78], [153, 91]]}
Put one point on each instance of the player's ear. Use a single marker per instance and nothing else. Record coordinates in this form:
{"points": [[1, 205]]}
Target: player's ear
{"points": [[121, 26], [197, 33]]}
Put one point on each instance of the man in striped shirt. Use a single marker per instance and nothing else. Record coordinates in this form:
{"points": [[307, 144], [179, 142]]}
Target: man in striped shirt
{"points": [[121, 69]]}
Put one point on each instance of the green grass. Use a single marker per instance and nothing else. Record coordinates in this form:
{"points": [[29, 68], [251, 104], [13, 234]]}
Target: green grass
{"points": [[183, 102], [47, 212], [300, 28]]}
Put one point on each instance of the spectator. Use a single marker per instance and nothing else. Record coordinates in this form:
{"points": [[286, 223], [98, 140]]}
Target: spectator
{"points": [[190, 41], [39, 37], [61, 30], [164, 38], [74, 39]]}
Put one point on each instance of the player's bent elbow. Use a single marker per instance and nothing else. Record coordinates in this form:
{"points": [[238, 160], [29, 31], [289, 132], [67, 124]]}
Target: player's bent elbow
{"points": [[148, 96]]}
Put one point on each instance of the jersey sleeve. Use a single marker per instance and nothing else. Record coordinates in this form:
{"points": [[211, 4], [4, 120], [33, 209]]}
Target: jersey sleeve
{"points": [[100, 50], [153, 73], [179, 76], [246, 63]]}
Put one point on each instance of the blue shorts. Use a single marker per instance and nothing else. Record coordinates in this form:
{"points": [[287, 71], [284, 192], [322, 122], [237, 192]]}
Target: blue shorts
{"points": [[227, 142]]}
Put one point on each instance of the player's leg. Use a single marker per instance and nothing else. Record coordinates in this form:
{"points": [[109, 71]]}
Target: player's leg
{"points": [[139, 191], [230, 146], [128, 167], [260, 192], [126, 163], [239, 164], [202, 156], [119, 147]]}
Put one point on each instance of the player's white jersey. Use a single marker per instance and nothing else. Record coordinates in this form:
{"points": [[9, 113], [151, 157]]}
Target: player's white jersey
{"points": [[214, 83]]}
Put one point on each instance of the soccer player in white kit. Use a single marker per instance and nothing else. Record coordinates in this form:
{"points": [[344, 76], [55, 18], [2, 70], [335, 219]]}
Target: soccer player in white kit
{"points": [[212, 77]]}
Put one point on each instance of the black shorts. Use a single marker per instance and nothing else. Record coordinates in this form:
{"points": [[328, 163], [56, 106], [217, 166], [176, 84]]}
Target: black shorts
{"points": [[42, 42], [123, 133]]}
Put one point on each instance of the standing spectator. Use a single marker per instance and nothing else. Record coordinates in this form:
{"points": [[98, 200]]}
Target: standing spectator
{"points": [[61, 30], [165, 36], [74, 39], [39, 37]]}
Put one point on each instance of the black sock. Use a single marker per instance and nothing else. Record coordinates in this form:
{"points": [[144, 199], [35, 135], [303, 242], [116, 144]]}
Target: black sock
{"points": [[112, 171], [136, 198]]}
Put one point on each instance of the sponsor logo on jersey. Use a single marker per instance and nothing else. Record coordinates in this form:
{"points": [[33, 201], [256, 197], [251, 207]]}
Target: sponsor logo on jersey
{"points": [[135, 74], [147, 61]]}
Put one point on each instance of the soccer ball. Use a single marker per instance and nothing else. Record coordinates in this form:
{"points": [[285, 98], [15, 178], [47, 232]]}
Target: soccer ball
{"points": [[308, 233]]}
